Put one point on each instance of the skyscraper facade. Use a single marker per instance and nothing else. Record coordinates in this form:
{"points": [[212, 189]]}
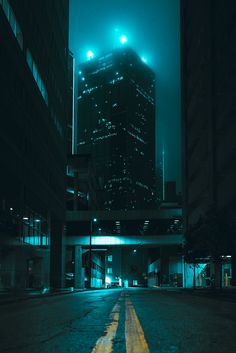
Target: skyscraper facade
{"points": [[33, 109], [116, 125], [71, 103], [209, 125]]}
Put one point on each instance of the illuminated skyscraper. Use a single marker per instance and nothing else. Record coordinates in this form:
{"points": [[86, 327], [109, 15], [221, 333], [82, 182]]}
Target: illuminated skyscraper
{"points": [[116, 125]]}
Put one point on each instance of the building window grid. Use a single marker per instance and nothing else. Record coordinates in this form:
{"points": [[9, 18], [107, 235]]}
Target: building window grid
{"points": [[34, 231], [34, 70], [7, 9]]}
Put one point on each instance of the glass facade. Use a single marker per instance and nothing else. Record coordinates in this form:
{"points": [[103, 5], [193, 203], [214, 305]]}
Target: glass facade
{"points": [[36, 75], [12, 21], [35, 230], [116, 125]]}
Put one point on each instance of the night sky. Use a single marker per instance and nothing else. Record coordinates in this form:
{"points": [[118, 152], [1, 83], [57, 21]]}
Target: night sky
{"points": [[152, 28]]}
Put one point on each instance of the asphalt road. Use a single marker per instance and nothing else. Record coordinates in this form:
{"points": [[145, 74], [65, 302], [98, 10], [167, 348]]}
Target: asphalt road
{"points": [[119, 321]]}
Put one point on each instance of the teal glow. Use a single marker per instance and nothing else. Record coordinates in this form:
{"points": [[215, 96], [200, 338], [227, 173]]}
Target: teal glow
{"points": [[108, 280], [149, 26], [123, 39], [144, 59], [95, 219], [90, 54]]}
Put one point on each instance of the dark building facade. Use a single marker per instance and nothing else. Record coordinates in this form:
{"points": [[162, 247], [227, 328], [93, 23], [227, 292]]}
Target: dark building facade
{"points": [[170, 191], [33, 109], [82, 186], [116, 125], [71, 104], [209, 126]]}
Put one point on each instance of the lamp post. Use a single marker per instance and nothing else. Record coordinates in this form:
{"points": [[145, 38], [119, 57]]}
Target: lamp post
{"points": [[90, 252]]}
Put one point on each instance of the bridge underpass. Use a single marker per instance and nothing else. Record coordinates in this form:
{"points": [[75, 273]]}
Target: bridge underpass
{"points": [[135, 242]]}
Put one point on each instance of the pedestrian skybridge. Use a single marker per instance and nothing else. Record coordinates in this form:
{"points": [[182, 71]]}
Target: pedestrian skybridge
{"points": [[125, 228]]}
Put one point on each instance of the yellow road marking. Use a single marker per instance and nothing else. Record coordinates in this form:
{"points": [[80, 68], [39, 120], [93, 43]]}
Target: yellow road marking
{"points": [[135, 339], [105, 343]]}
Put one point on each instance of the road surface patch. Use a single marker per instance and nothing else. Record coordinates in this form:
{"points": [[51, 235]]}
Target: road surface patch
{"points": [[134, 335], [105, 343]]}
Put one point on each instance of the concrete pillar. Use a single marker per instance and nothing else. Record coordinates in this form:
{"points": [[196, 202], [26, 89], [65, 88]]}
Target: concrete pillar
{"points": [[233, 264], [57, 255], [78, 280], [164, 266], [215, 273], [218, 271]]}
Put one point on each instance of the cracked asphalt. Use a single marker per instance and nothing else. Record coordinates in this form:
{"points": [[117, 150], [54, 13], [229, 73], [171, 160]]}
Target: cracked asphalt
{"points": [[166, 321]]}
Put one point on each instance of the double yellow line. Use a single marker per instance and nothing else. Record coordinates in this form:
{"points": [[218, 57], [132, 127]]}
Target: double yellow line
{"points": [[134, 335]]}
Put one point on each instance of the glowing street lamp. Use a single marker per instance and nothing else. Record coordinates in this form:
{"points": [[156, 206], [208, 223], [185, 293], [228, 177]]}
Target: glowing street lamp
{"points": [[94, 220], [90, 54], [123, 39]]}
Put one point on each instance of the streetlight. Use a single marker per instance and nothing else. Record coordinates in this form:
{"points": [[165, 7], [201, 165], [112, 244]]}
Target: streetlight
{"points": [[123, 39], [94, 220], [90, 55]]}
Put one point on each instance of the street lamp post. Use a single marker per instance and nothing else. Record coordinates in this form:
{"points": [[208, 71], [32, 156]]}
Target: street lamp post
{"points": [[90, 252]]}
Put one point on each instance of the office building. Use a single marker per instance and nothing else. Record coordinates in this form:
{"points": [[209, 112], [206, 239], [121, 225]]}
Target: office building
{"points": [[71, 104], [33, 109], [209, 128], [116, 125], [82, 186]]}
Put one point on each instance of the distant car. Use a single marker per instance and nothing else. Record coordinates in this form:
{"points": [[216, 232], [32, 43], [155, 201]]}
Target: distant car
{"points": [[115, 285], [142, 285]]}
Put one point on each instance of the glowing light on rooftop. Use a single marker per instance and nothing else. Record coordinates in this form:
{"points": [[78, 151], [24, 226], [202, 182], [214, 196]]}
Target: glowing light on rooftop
{"points": [[144, 59], [123, 39], [90, 54]]}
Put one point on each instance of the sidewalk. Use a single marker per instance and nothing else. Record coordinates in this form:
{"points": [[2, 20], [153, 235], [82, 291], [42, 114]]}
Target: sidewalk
{"points": [[228, 294], [8, 296]]}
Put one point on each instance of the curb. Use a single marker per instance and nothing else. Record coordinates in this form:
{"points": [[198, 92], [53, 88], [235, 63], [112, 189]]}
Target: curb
{"points": [[37, 296], [46, 295]]}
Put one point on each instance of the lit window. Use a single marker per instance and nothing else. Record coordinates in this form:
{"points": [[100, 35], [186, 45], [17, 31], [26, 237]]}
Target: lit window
{"points": [[12, 21], [33, 68], [29, 60], [109, 258], [109, 270]]}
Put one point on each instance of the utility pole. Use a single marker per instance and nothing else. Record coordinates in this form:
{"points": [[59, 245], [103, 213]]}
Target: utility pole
{"points": [[163, 174], [90, 252]]}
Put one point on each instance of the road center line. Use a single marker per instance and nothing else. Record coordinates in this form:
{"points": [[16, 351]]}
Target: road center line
{"points": [[135, 339], [105, 343]]}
